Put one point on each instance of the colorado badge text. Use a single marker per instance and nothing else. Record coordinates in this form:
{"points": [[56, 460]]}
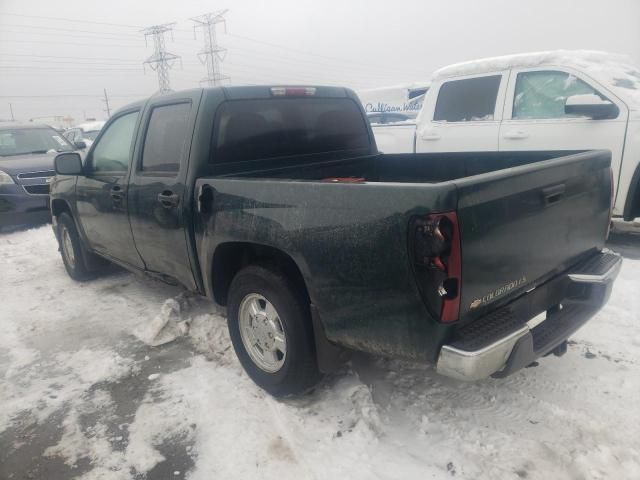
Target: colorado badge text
{"points": [[498, 292]]}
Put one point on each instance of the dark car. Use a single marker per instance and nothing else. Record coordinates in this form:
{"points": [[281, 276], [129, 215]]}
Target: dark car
{"points": [[26, 164], [276, 203]]}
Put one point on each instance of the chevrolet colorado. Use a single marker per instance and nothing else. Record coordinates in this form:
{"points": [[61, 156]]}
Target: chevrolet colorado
{"points": [[275, 202]]}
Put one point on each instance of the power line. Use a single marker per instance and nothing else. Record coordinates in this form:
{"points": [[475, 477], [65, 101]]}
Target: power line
{"points": [[55, 56], [48, 42], [304, 52], [212, 55], [93, 32], [161, 60], [69, 20], [78, 95]]}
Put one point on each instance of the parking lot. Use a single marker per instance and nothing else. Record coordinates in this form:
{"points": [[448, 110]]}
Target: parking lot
{"points": [[83, 397]]}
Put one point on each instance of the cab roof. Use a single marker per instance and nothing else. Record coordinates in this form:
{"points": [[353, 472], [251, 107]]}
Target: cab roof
{"points": [[245, 92]]}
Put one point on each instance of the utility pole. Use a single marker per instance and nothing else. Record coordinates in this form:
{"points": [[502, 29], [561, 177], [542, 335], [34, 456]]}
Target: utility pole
{"points": [[106, 103], [161, 60], [11, 110], [213, 54]]}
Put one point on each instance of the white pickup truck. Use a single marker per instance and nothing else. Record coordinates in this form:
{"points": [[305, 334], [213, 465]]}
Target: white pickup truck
{"points": [[561, 100]]}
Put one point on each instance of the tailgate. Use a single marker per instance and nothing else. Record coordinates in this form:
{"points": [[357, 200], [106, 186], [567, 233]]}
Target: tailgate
{"points": [[522, 225]]}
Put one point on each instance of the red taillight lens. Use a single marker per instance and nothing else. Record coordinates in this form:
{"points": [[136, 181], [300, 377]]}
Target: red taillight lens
{"points": [[436, 252]]}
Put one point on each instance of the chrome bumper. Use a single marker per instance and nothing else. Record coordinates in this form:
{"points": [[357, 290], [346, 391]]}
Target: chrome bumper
{"points": [[536, 337]]}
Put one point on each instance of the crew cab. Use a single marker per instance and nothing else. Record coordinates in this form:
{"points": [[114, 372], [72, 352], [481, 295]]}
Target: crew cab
{"points": [[275, 202], [560, 100]]}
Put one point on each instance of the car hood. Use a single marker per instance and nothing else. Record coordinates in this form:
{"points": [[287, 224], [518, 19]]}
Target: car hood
{"points": [[16, 164]]}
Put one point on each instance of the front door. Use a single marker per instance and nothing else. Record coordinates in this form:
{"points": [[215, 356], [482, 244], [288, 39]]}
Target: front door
{"points": [[535, 117], [102, 191], [159, 200], [462, 115]]}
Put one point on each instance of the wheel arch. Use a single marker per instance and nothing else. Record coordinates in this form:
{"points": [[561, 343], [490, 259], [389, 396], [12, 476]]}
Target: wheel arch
{"points": [[230, 257], [59, 206]]}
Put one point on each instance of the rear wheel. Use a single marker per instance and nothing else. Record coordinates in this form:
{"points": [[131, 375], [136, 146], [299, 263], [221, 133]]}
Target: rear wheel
{"points": [[271, 332], [74, 255]]}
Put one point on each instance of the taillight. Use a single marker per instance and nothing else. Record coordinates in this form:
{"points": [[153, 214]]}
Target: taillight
{"points": [[293, 91], [437, 264]]}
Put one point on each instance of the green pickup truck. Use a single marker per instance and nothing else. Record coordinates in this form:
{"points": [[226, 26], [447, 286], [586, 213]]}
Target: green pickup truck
{"points": [[275, 202]]}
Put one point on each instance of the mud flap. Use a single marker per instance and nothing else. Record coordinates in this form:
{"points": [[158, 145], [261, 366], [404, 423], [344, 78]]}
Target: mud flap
{"points": [[330, 356]]}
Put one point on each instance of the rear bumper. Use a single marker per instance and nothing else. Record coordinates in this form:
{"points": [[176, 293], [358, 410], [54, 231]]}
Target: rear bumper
{"points": [[620, 226], [533, 325]]}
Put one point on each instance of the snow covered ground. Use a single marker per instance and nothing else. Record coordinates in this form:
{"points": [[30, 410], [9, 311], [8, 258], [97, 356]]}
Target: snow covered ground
{"points": [[81, 396]]}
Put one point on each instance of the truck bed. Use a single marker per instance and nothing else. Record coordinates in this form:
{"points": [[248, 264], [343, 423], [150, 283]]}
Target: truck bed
{"points": [[391, 168], [518, 227]]}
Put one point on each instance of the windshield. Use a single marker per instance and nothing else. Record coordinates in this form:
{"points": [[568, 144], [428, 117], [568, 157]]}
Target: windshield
{"points": [[21, 141]]}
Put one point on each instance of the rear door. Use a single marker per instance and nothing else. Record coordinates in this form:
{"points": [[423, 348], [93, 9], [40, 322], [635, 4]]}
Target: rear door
{"points": [[462, 114], [521, 225], [535, 118], [101, 192], [159, 207]]}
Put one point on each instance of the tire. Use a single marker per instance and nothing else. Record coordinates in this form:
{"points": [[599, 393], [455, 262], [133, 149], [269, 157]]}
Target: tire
{"points": [[74, 255], [280, 374]]}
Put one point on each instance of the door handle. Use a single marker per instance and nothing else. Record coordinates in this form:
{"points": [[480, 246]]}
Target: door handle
{"points": [[515, 135], [116, 193], [431, 136], [168, 199], [553, 194]]}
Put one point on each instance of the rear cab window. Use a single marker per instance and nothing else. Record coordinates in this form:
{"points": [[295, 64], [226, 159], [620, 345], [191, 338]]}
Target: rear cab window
{"points": [[468, 100], [288, 127]]}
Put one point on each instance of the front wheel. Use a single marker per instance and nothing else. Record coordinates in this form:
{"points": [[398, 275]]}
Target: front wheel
{"points": [[73, 254], [271, 332]]}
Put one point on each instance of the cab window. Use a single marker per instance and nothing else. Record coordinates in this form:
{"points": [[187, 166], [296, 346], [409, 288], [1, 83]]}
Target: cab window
{"points": [[467, 100], [166, 138], [542, 94], [113, 152]]}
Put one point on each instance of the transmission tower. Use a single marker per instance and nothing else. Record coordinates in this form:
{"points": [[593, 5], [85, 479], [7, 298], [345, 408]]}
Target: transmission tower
{"points": [[213, 54], [161, 60]]}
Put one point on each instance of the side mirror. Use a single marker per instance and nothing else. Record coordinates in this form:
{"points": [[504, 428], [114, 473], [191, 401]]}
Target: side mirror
{"points": [[590, 105], [68, 163], [80, 144]]}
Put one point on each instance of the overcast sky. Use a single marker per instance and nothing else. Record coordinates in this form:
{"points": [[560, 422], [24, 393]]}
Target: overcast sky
{"points": [[56, 57]]}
